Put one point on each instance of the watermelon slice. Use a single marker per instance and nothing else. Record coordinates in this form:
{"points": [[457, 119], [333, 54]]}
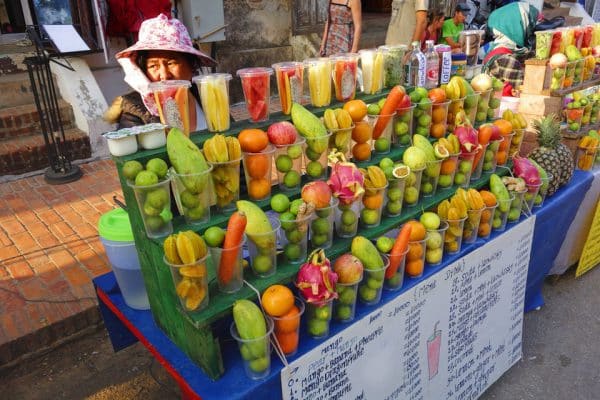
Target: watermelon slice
{"points": [[256, 91]]}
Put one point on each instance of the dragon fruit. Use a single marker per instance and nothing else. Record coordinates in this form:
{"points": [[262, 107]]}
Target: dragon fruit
{"points": [[524, 168], [315, 279], [346, 181], [468, 138]]}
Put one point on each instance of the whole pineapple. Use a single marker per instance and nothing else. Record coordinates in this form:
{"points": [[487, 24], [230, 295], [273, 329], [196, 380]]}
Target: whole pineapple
{"points": [[552, 155]]}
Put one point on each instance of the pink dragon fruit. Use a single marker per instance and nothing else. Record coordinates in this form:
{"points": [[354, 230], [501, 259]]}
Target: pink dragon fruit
{"points": [[315, 279], [524, 168], [346, 181], [468, 138]]}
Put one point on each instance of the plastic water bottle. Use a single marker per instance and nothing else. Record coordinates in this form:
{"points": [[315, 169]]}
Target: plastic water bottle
{"points": [[414, 73], [432, 66]]}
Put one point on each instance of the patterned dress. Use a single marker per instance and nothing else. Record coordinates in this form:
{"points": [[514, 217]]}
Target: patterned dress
{"points": [[340, 33]]}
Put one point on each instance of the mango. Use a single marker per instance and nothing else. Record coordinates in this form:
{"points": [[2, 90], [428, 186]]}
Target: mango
{"points": [[363, 249]]}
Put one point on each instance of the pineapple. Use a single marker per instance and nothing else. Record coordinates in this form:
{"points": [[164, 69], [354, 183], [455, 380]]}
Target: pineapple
{"points": [[552, 155]]}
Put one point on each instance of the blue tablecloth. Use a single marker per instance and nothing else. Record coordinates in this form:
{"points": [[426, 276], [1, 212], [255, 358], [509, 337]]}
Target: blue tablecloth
{"points": [[552, 223]]}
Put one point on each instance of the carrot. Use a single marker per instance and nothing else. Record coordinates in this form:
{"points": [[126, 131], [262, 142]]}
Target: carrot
{"points": [[399, 248], [484, 135], [392, 100], [233, 238]]}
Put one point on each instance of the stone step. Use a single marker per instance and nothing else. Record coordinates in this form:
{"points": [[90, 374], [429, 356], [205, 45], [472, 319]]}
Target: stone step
{"points": [[25, 120], [12, 56], [28, 153], [16, 90]]}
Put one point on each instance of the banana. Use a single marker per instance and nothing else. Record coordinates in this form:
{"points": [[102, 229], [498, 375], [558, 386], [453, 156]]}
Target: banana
{"points": [[234, 151], [330, 119], [170, 249]]}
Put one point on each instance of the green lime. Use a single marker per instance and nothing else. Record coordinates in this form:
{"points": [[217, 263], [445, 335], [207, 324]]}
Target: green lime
{"points": [[188, 199], [280, 203], [154, 223], [347, 296], [166, 215], [395, 280], [394, 207], [405, 139], [131, 169], [445, 181], [295, 206], [292, 251], [323, 212], [294, 151], [420, 130], [291, 179], [369, 216], [424, 120], [381, 102], [386, 163], [294, 236], [214, 236], [312, 155], [317, 327], [401, 128], [459, 178], [151, 211], [374, 283], [343, 313], [382, 145], [318, 240], [366, 293], [426, 188], [146, 178], [157, 198], [384, 244], [394, 194], [314, 169], [260, 364], [196, 213], [262, 263], [425, 104], [288, 221], [283, 163], [320, 226], [348, 217], [465, 166], [415, 97], [411, 195], [481, 116], [373, 109], [323, 313], [158, 166]]}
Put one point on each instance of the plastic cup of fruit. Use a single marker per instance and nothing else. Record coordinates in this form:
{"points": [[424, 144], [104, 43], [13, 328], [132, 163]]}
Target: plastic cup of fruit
{"points": [[371, 62], [501, 213], [371, 286], [362, 141], [341, 140], [439, 119], [489, 157], [293, 237], [471, 225], [422, 118], [578, 72], [344, 307], [236, 280], [396, 279], [214, 96], [516, 141], [346, 218], [403, 127], [434, 244], [415, 258], [558, 78], [256, 353], [569, 78], [429, 180], [172, 101], [262, 249], [541, 196], [447, 171], [482, 106], [470, 105], [454, 235], [290, 83], [543, 39], [256, 84], [287, 329], [372, 201], [476, 172], [573, 117], [191, 284], [288, 163], [394, 196], [529, 197], [318, 317], [393, 65], [321, 226], [316, 151], [192, 194], [257, 170], [344, 74], [319, 81], [226, 183], [383, 143], [456, 106], [503, 149], [494, 105], [584, 157], [515, 206], [412, 187], [154, 203], [485, 222], [462, 176]]}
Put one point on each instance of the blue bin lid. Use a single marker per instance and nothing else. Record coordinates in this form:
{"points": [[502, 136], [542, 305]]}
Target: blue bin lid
{"points": [[115, 226]]}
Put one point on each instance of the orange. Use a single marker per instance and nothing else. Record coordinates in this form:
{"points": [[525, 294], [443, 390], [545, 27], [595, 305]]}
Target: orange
{"points": [[415, 251], [414, 268], [438, 130], [448, 166], [373, 201], [288, 341], [501, 157], [486, 215], [288, 322], [357, 109], [484, 229], [258, 189], [504, 126], [361, 151], [277, 300], [418, 231], [438, 114], [362, 132], [257, 165], [253, 140]]}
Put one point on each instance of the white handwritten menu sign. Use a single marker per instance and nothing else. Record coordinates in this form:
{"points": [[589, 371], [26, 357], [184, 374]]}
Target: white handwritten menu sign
{"points": [[450, 337]]}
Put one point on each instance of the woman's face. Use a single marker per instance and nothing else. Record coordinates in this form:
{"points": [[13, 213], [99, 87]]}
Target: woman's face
{"points": [[164, 65], [439, 23]]}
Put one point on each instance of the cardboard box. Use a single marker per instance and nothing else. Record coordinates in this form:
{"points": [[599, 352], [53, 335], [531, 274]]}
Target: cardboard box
{"points": [[538, 105], [537, 78]]}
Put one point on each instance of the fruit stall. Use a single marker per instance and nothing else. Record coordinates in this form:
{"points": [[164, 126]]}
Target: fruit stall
{"points": [[296, 224]]}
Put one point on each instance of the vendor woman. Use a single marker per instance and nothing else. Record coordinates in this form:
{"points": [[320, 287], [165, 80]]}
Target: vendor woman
{"points": [[164, 51]]}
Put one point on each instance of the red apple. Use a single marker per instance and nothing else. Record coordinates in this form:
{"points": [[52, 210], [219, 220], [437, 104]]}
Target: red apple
{"points": [[282, 133]]}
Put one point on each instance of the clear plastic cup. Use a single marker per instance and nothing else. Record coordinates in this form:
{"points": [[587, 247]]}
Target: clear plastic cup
{"points": [[288, 163], [262, 249], [191, 284], [489, 157], [434, 244], [516, 141], [371, 286], [362, 141], [344, 307], [501, 213], [371, 62], [393, 65], [412, 188], [541, 196], [429, 180], [529, 197], [482, 107], [214, 96], [154, 202], [290, 83], [395, 279], [462, 176], [494, 104], [345, 67], [477, 169], [226, 183], [318, 317], [447, 171], [503, 150], [415, 258], [257, 170], [584, 158], [383, 143], [287, 329], [316, 151], [256, 84], [454, 108], [403, 127], [471, 225], [321, 226], [569, 78], [372, 201], [172, 101], [422, 118], [543, 40], [454, 235], [193, 194], [558, 78], [515, 206], [470, 106], [256, 353], [439, 119], [230, 273], [346, 218], [394, 196], [319, 81], [485, 222], [293, 237]]}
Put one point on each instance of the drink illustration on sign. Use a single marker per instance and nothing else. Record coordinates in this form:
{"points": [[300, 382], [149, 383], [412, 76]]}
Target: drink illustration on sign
{"points": [[433, 351]]}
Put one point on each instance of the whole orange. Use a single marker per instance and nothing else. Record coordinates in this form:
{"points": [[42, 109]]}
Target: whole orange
{"points": [[414, 268], [415, 251], [288, 322], [438, 114], [418, 231], [361, 151], [258, 189], [288, 341], [357, 109], [448, 166], [438, 130], [253, 140], [277, 300], [257, 165], [362, 132], [373, 201]]}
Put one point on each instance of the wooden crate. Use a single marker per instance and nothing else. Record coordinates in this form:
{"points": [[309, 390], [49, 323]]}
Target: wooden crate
{"points": [[538, 75]]}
